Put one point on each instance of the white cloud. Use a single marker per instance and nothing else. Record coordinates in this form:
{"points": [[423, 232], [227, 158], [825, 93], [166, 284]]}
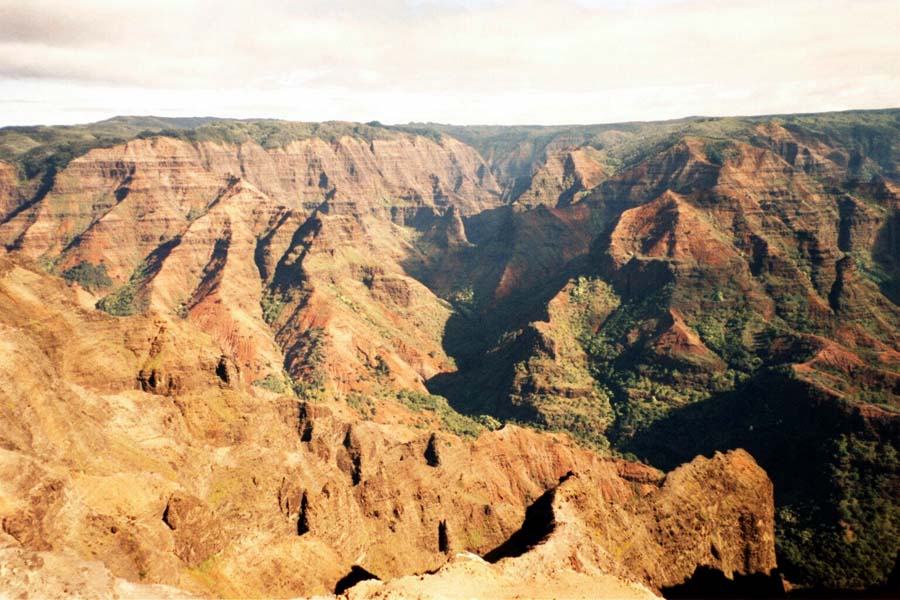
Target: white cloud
{"points": [[463, 61]]}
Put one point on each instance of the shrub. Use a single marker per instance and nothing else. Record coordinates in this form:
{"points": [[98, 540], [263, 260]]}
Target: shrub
{"points": [[89, 276], [123, 302], [842, 544], [271, 382], [311, 389], [362, 404], [128, 299], [272, 304], [459, 424]]}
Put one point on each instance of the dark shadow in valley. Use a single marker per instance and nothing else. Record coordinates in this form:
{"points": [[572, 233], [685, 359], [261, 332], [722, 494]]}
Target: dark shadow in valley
{"points": [[487, 343], [792, 430], [711, 583], [759, 416], [476, 267], [889, 589], [887, 257], [509, 274]]}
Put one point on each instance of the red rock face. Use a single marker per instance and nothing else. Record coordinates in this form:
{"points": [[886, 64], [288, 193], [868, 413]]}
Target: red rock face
{"points": [[669, 228], [160, 183], [11, 196], [201, 215], [563, 178]]}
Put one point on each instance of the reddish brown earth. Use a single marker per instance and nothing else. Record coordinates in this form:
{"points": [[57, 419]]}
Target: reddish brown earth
{"points": [[202, 215], [10, 193], [564, 177]]}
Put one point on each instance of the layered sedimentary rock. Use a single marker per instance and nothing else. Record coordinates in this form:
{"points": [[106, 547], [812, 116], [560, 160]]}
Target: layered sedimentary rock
{"points": [[201, 229], [10, 192], [160, 184], [563, 178]]}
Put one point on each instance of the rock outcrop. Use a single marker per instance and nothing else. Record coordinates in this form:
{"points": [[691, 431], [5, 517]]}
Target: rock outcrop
{"points": [[573, 544]]}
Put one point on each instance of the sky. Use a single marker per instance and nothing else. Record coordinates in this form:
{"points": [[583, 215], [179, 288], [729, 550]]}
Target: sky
{"points": [[450, 61]]}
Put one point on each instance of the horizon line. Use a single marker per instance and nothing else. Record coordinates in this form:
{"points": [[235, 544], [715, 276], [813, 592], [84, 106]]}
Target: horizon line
{"points": [[376, 122]]}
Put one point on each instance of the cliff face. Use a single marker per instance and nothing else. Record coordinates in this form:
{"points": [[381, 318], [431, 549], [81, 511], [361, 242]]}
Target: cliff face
{"points": [[562, 178], [163, 183], [567, 527], [202, 230], [10, 194]]}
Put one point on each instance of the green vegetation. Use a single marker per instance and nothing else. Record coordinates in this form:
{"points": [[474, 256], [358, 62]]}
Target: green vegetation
{"points": [[451, 420], [382, 369], [54, 157], [272, 303], [270, 133], [40, 149], [130, 298], [194, 213], [488, 422], [726, 326], [872, 134], [182, 310], [274, 383], [89, 276], [720, 151], [426, 132], [362, 404], [463, 301], [311, 384], [849, 540], [311, 388], [123, 302]]}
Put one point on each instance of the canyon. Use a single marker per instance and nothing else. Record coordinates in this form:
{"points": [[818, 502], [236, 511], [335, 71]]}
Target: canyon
{"points": [[276, 359]]}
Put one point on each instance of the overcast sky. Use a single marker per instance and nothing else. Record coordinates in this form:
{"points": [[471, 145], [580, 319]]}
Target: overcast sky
{"points": [[456, 61]]}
